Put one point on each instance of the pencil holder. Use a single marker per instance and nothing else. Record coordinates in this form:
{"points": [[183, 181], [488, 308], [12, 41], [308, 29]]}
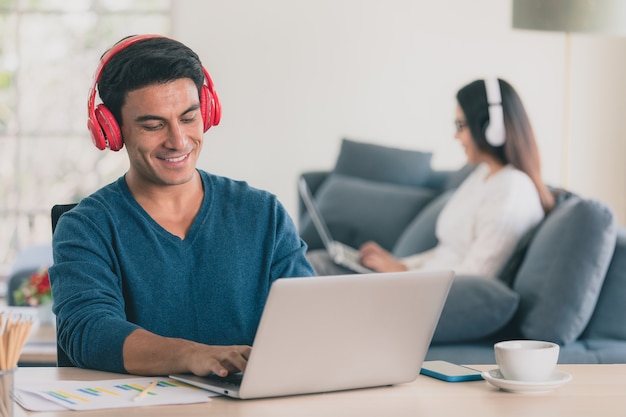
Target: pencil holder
{"points": [[14, 331], [6, 392]]}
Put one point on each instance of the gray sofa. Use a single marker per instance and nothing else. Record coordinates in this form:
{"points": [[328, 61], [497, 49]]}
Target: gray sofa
{"points": [[566, 281]]}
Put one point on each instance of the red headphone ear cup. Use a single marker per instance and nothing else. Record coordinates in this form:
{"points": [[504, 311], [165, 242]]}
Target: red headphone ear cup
{"points": [[209, 107], [205, 107], [112, 134], [216, 110], [97, 136]]}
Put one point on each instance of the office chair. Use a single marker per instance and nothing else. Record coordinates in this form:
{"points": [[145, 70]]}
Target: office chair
{"points": [[57, 211]]}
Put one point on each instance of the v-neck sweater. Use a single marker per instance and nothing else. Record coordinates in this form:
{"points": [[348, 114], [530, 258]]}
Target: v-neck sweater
{"points": [[116, 270]]}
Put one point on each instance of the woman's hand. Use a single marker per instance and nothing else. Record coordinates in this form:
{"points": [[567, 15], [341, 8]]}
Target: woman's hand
{"points": [[378, 259]]}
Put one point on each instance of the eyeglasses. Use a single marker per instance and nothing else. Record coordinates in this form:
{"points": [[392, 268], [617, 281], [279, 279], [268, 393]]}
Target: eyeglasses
{"points": [[460, 125]]}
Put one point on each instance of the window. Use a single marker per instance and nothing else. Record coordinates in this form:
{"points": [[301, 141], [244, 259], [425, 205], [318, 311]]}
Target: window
{"points": [[49, 50]]}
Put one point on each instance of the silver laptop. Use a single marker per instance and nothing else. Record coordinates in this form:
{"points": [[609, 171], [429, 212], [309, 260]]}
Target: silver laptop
{"points": [[331, 333], [340, 253]]}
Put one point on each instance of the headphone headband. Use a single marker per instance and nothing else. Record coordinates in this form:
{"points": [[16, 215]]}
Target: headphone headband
{"points": [[106, 132], [495, 133]]}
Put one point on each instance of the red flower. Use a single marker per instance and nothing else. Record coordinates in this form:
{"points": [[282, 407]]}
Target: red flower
{"points": [[41, 281], [35, 291]]}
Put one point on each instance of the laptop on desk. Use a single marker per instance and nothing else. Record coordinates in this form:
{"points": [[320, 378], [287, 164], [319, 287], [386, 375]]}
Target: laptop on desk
{"points": [[331, 333], [340, 253]]}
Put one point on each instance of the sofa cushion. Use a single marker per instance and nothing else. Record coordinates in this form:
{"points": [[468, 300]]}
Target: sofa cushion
{"points": [[456, 178], [563, 270], [419, 235], [509, 270], [476, 307], [382, 163], [357, 210], [609, 317]]}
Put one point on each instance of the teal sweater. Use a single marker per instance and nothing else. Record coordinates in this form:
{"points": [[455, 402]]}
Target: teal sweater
{"points": [[115, 270]]}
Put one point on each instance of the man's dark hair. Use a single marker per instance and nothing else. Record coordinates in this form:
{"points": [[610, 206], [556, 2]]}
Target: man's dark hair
{"points": [[144, 63]]}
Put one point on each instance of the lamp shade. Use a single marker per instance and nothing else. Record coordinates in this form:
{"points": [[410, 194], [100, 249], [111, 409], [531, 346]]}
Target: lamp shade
{"points": [[592, 16]]}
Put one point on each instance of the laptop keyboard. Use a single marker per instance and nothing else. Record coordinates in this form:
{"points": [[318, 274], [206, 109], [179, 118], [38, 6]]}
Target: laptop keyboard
{"points": [[351, 254]]}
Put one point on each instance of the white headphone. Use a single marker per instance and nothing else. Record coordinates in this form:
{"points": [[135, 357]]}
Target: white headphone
{"points": [[494, 130]]}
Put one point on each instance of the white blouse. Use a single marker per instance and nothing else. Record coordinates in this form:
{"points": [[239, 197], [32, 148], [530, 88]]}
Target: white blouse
{"points": [[481, 223]]}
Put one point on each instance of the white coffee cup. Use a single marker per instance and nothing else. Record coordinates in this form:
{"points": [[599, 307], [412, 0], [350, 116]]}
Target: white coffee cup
{"points": [[526, 360]]}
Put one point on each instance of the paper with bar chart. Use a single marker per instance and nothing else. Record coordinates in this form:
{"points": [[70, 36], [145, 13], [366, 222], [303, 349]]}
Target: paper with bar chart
{"points": [[112, 393]]}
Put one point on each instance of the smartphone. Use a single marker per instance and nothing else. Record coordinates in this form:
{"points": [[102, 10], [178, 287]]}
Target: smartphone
{"points": [[450, 372]]}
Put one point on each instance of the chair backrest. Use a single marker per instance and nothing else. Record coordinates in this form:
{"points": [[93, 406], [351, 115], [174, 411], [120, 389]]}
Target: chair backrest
{"points": [[57, 211]]}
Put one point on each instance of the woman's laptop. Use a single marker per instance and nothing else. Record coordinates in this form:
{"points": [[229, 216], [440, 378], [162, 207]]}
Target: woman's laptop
{"points": [[330, 333], [340, 253]]}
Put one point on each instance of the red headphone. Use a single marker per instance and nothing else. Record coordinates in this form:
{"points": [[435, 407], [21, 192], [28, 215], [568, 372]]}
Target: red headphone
{"points": [[106, 133]]}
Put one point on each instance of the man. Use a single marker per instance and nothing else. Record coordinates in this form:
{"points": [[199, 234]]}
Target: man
{"points": [[167, 269]]}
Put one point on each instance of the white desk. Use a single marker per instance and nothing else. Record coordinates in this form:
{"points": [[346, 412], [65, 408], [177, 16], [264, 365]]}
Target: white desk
{"points": [[596, 390]]}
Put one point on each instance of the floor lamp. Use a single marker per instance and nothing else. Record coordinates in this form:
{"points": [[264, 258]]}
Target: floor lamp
{"points": [[585, 16]]}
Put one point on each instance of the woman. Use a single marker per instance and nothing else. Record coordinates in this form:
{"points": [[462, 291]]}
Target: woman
{"points": [[498, 202]]}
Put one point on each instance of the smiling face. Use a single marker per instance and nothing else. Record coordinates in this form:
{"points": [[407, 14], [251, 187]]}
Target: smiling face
{"points": [[162, 129], [463, 134]]}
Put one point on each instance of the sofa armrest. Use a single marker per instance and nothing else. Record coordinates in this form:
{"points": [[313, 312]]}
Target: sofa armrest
{"points": [[607, 321]]}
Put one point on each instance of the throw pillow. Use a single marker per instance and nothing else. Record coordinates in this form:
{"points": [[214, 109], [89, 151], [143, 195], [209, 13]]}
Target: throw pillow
{"points": [[420, 233], [563, 270], [457, 177], [509, 270], [382, 163], [475, 308], [357, 210]]}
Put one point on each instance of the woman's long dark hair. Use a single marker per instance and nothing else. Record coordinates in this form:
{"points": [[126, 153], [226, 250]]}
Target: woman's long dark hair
{"points": [[520, 148]]}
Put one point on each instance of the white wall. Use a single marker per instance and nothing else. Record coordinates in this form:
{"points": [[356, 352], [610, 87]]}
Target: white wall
{"points": [[296, 76]]}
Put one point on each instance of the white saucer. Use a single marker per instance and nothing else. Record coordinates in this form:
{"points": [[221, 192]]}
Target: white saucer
{"points": [[495, 378]]}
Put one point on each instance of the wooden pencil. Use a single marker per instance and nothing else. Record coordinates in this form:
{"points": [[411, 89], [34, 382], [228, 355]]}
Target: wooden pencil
{"points": [[146, 390], [14, 332]]}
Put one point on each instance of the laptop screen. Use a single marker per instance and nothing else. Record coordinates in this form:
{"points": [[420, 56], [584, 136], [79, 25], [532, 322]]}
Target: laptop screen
{"points": [[316, 216]]}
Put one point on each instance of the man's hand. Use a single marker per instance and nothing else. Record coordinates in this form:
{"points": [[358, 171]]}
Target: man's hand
{"points": [[146, 353], [221, 360]]}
